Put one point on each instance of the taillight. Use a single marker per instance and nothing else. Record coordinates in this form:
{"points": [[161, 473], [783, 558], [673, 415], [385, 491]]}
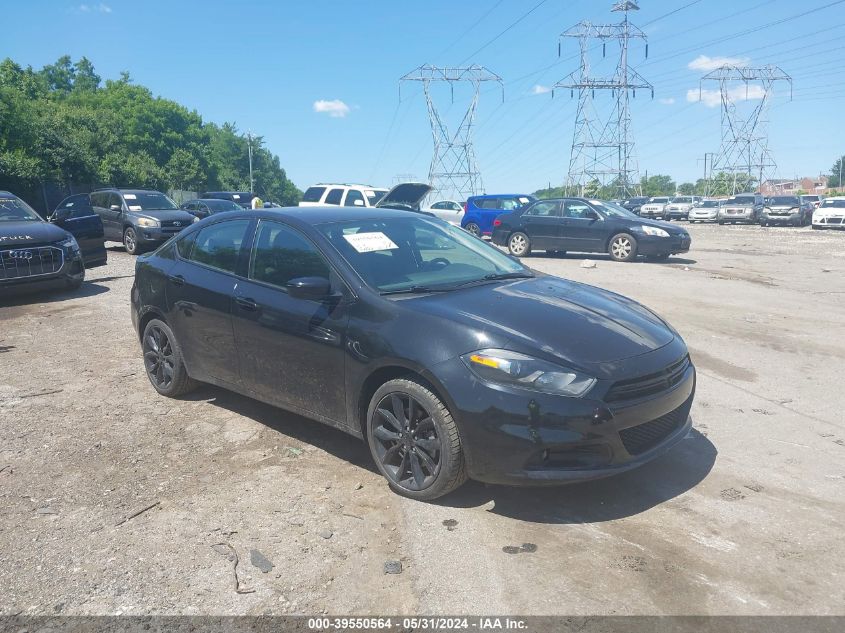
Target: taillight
{"points": [[497, 222]]}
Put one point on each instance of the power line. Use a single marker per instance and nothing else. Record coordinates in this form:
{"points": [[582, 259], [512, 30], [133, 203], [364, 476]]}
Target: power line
{"points": [[513, 24]]}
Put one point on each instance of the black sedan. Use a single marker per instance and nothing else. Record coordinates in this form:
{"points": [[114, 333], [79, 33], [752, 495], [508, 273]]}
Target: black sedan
{"points": [[449, 358], [204, 207], [587, 226], [36, 255]]}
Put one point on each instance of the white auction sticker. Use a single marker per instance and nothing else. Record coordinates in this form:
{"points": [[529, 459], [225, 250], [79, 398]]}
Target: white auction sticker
{"points": [[370, 242], [130, 196], [135, 207]]}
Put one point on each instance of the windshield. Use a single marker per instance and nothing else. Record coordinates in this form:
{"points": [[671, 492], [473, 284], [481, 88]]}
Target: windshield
{"points": [[659, 200], [836, 204], [16, 210], [614, 210], [416, 253], [682, 200], [148, 201], [374, 195], [740, 200], [710, 203], [218, 206], [782, 201]]}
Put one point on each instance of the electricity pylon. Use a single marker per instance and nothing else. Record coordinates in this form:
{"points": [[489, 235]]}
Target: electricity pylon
{"points": [[454, 171], [745, 140], [602, 147]]}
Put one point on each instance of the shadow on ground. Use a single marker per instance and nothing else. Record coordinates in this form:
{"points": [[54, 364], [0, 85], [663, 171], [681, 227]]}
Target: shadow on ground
{"points": [[338, 443], [23, 296], [627, 494], [624, 495], [606, 258]]}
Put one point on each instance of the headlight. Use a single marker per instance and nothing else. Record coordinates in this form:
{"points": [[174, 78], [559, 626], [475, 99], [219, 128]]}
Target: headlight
{"points": [[518, 370], [653, 230], [70, 243], [148, 222]]}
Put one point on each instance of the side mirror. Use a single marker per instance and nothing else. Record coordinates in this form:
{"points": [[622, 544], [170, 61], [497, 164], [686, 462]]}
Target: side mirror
{"points": [[358, 203], [115, 207], [313, 288], [59, 216]]}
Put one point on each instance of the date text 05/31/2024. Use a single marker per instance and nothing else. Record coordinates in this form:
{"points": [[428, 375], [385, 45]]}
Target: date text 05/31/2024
{"points": [[416, 624]]}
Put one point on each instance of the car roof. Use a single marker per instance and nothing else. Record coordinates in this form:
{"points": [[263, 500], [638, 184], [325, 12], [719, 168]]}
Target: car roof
{"points": [[120, 190], [326, 214], [503, 195], [207, 200], [346, 184]]}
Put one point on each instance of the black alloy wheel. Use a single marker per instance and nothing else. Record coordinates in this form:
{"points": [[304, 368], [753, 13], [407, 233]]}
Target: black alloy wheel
{"points": [[414, 440], [163, 360]]}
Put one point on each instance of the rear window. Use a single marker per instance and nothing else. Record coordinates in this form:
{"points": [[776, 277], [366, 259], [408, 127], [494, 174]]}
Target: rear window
{"points": [[313, 194]]}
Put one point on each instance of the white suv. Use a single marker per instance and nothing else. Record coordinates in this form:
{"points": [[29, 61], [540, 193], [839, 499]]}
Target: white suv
{"points": [[342, 195]]}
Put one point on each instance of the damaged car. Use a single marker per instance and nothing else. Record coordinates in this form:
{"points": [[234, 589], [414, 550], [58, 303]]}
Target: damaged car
{"points": [[447, 357]]}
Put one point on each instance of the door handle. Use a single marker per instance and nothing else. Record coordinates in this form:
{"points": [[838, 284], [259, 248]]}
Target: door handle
{"points": [[176, 280], [246, 304]]}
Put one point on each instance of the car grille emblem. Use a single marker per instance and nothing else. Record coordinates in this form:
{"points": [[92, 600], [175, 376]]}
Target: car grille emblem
{"points": [[177, 224], [20, 255]]}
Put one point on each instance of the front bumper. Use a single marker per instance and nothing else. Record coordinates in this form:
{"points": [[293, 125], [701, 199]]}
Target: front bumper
{"points": [[780, 218], [676, 213], [651, 213], [156, 235], [829, 222], [519, 437], [696, 217], [740, 215], [654, 245], [71, 271]]}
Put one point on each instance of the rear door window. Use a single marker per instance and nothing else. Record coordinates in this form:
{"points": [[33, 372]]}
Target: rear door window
{"points": [[490, 203], [219, 245], [334, 196], [545, 209]]}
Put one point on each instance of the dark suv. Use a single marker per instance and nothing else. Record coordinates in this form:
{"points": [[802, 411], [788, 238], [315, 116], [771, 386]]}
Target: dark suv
{"points": [[139, 218]]}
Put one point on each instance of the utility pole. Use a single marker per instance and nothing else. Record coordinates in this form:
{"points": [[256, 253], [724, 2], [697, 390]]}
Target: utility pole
{"points": [[453, 172], [602, 147], [249, 149], [706, 179], [745, 141]]}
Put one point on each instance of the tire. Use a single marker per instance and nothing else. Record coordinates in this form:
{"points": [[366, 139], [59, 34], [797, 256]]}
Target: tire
{"points": [[75, 285], [816, 227], [130, 241], [519, 245], [473, 228], [156, 342], [622, 247], [426, 428], [720, 222], [763, 223]]}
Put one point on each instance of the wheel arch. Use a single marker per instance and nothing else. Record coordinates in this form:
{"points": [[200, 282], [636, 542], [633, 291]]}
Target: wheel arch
{"points": [[146, 317], [393, 371]]}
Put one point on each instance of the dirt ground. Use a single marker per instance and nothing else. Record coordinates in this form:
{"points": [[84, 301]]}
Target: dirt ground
{"points": [[746, 516]]}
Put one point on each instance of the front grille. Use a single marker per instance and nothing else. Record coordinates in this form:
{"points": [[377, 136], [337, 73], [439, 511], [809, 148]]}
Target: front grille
{"points": [[649, 385], [19, 263], [639, 439], [174, 225]]}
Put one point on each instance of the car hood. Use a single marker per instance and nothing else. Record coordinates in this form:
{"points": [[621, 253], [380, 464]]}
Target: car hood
{"points": [[405, 194], [29, 233], [165, 214], [572, 323]]}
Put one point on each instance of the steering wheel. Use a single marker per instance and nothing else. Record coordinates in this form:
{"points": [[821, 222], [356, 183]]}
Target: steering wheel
{"points": [[438, 263]]}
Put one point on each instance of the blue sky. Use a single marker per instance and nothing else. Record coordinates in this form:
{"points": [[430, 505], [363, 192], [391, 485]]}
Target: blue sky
{"points": [[319, 79]]}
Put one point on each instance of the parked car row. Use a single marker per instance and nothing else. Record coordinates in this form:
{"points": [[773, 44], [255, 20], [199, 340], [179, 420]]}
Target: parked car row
{"points": [[746, 208]]}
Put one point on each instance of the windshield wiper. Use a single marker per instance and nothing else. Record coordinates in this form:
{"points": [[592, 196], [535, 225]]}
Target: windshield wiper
{"points": [[520, 274], [416, 290]]}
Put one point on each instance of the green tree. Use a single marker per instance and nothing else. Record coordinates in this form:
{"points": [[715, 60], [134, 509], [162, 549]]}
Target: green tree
{"points": [[836, 171], [686, 189], [183, 171], [657, 185]]}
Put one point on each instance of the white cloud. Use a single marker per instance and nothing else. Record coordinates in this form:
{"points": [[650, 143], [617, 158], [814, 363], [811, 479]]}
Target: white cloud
{"points": [[540, 90], [669, 101], [335, 108], [88, 8], [713, 98], [705, 63]]}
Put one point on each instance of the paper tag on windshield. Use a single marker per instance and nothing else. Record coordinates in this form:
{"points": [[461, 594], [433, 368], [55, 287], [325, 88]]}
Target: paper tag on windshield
{"points": [[130, 196], [370, 242], [135, 207]]}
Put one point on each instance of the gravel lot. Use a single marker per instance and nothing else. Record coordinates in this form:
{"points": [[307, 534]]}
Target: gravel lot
{"points": [[744, 517]]}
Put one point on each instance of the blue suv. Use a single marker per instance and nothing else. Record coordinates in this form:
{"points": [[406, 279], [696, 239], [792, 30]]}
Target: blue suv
{"points": [[480, 211]]}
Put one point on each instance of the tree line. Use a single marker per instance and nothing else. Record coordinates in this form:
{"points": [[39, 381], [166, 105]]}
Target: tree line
{"points": [[63, 130]]}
